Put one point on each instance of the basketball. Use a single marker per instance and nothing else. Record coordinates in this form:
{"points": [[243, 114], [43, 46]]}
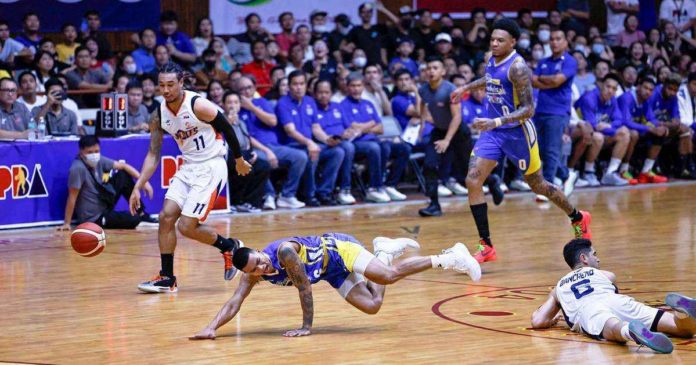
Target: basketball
{"points": [[88, 239]]}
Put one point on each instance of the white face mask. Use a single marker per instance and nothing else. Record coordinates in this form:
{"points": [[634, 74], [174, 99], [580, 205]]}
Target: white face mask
{"points": [[598, 48], [524, 43], [360, 62], [92, 159], [131, 68], [544, 35], [321, 28], [537, 54], [580, 47], [344, 30]]}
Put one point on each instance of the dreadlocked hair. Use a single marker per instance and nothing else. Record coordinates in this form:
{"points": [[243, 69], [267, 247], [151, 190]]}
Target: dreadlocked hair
{"points": [[174, 68]]}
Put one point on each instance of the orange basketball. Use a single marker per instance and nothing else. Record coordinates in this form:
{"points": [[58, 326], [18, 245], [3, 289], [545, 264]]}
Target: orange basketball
{"points": [[88, 239]]}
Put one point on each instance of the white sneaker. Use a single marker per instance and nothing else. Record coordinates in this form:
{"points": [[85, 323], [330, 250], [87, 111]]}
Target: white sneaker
{"points": [[591, 178], [557, 181], [582, 183], [456, 188], [504, 187], [486, 190], [375, 196], [443, 190], [541, 198], [393, 246], [462, 261], [394, 194], [292, 203], [345, 197], [519, 185], [569, 184], [269, 203]]}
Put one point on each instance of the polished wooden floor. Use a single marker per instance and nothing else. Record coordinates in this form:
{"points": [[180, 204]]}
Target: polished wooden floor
{"points": [[58, 307]]}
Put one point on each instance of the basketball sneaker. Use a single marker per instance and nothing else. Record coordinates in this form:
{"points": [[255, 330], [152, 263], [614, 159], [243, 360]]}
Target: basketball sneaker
{"points": [[654, 340], [581, 228], [651, 178], [681, 304], [159, 284], [485, 253], [393, 246], [629, 177], [230, 270], [464, 262]]}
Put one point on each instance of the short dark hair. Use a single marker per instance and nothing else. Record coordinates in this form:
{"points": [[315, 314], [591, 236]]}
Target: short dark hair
{"points": [[171, 68], [3, 79], [284, 14], [673, 79], [66, 25], [24, 73], [133, 84], [478, 10], [229, 93], [296, 73], [91, 12], [240, 259], [321, 81], [573, 249], [523, 11], [434, 59], [247, 18], [4, 22], [400, 72], [507, 25], [45, 40], [456, 76], [88, 141], [142, 32], [27, 15], [612, 76], [80, 49], [692, 76], [208, 52], [147, 76], [53, 82], [169, 16]]}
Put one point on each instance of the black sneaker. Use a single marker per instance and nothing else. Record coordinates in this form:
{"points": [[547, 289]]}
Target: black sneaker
{"points": [[230, 270], [314, 202], [327, 200], [148, 218], [247, 208], [159, 284], [493, 183], [433, 210]]}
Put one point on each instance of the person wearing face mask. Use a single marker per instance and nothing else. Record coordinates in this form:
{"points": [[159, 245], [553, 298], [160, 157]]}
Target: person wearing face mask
{"points": [[209, 71], [337, 37], [359, 60], [544, 35], [524, 42], [59, 120], [368, 36], [317, 19], [599, 50], [95, 183]]}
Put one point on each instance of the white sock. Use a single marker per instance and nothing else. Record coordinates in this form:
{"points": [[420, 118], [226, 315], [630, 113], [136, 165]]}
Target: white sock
{"points": [[624, 167], [571, 170], [438, 261], [589, 166], [648, 165], [613, 165], [625, 334], [385, 257]]}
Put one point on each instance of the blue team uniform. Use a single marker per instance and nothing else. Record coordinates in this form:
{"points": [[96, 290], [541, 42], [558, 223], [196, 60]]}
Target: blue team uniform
{"points": [[665, 110], [638, 117], [517, 141], [328, 257]]}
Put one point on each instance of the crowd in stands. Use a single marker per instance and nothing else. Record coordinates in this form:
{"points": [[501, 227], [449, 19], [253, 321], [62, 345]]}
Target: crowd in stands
{"points": [[315, 106]]}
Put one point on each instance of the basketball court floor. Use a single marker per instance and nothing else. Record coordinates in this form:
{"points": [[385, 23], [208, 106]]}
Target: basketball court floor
{"points": [[57, 307]]}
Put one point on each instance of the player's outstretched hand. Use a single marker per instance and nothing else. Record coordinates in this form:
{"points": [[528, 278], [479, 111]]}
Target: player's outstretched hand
{"points": [[483, 124], [456, 95], [298, 332], [204, 334], [134, 202], [243, 167]]}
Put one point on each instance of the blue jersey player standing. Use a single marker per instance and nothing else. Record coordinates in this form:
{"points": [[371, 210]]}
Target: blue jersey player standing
{"points": [[358, 275], [508, 131]]}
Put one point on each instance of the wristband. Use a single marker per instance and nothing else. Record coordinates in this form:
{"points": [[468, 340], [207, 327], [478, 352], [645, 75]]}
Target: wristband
{"points": [[498, 122]]}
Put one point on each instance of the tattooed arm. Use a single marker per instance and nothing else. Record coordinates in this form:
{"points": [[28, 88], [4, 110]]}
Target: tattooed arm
{"points": [[456, 95], [151, 161], [290, 260]]}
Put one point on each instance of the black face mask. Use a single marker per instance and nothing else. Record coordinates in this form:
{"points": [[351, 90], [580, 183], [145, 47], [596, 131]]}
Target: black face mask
{"points": [[209, 64]]}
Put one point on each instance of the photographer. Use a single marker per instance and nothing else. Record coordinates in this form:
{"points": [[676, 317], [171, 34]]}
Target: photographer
{"points": [[93, 189], [59, 120]]}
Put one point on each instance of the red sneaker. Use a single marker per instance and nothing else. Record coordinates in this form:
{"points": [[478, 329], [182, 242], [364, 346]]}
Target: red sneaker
{"points": [[629, 177], [581, 228], [485, 253], [651, 178]]}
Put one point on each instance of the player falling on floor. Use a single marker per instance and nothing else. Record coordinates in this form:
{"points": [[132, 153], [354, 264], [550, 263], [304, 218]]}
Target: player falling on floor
{"points": [[509, 131], [340, 259], [590, 303], [198, 126]]}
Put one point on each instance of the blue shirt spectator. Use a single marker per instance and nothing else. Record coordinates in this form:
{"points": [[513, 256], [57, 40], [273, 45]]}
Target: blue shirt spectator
{"points": [[332, 120], [594, 110], [637, 116], [302, 114], [556, 101], [360, 111], [666, 108], [258, 129]]}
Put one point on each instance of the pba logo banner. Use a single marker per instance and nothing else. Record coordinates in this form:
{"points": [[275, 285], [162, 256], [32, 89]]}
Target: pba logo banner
{"points": [[15, 182]]}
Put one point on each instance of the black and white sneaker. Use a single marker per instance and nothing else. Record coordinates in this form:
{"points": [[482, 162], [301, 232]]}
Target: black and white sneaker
{"points": [[159, 284], [230, 270]]}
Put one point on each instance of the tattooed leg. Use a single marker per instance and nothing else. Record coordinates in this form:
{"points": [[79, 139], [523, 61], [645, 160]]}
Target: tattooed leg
{"points": [[540, 186], [479, 169]]}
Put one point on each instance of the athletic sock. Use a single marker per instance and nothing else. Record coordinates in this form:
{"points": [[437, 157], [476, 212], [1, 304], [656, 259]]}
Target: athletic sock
{"points": [[480, 213], [167, 264], [589, 166], [626, 334], [223, 244], [438, 261], [575, 216], [624, 167], [613, 165], [648, 165]]}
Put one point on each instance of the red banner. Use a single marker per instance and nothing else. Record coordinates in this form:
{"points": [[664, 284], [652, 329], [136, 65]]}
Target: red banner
{"points": [[440, 6]]}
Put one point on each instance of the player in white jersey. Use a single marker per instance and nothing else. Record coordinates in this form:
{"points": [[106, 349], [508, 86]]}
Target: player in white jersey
{"points": [[198, 127], [591, 304]]}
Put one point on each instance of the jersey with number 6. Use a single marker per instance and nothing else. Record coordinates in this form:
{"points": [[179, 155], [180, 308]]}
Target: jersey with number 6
{"points": [[197, 140], [580, 287], [501, 95]]}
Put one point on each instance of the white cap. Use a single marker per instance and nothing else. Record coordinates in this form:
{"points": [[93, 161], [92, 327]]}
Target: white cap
{"points": [[404, 10], [443, 37]]}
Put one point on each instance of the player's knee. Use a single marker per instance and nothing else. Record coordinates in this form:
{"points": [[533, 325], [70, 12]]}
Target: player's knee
{"points": [[473, 180], [373, 307], [597, 138], [167, 219], [622, 133], [186, 225], [634, 135]]}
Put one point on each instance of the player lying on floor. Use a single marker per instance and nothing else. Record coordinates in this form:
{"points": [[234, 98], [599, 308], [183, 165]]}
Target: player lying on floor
{"points": [[341, 260], [590, 303]]}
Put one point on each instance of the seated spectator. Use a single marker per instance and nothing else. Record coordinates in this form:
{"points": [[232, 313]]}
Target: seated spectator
{"points": [[320, 31], [44, 68], [341, 85], [148, 82], [296, 61], [30, 36], [240, 45], [27, 84], [322, 67], [330, 129], [248, 191], [93, 31], [69, 103], [203, 36], [144, 56], [47, 45], [297, 113], [639, 118], [210, 71], [84, 78], [286, 37], [259, 67], [303, 39], [214, 92], [178, 43], [406, 106], [403, 58], [126, 66], [161, 58], [600, 108], [631, 33], [279, 90], [337, 38], [687, 100], [10, 48], [66, 49], [120, 83], [223, 59], [138, 117], [274, 53], [262, 124], [14, 116], [96, 64], [277, 73], [375, 92], [59, 120], [94, 189]]}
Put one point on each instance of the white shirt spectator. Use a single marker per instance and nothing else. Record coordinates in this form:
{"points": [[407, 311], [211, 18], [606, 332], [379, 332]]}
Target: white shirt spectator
{"points": [[686, 105], [40, 100], [679, 12], [374, 99], [615, 21]]}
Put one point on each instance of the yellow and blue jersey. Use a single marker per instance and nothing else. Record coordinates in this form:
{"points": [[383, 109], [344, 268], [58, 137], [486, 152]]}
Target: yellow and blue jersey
{"points": [[500, 92]]}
